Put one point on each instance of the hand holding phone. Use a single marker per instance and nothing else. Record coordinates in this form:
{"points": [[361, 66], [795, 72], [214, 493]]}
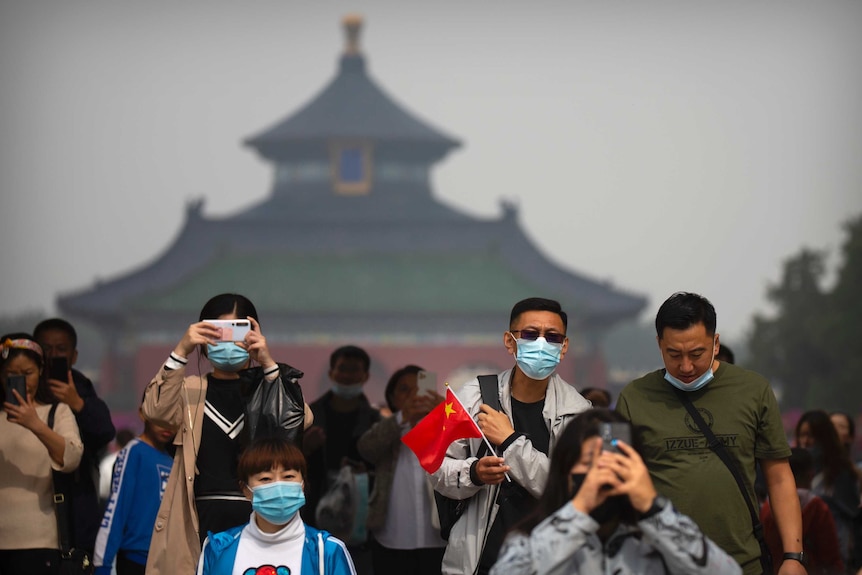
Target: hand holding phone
{"points": [[426, 383], [19, 384], [231, 329]]}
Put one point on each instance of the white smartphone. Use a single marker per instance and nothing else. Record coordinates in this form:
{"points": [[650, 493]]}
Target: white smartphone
{"points": [[231, 329], [426, 381]]}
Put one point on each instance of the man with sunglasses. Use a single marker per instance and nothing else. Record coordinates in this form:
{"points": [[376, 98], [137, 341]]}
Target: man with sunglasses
{"points": [[536, 404]]}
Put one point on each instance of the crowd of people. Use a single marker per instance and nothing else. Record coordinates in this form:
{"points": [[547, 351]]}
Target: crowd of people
{"points": [[687, 471]]}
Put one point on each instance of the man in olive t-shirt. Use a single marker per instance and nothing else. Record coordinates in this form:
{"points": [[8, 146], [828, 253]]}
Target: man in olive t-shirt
{"points": [[741, 410]]}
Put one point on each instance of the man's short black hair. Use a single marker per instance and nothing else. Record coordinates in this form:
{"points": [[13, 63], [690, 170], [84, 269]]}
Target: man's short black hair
{"points": [[683, 310], [725, 354], [538, 304], [587, 391], [55, 323], [350, 352]]}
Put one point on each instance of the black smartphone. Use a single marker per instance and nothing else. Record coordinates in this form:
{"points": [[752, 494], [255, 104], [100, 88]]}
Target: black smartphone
{"points": [[19, 384], [614, 430], [59, 369]]}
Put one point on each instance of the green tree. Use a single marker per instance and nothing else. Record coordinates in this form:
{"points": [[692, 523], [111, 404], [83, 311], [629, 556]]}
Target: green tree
{"points": [[812, 348], [843, 328], [786, 347]]}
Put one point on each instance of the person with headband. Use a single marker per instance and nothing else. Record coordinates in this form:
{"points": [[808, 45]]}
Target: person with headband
{"points": [[209, 414], [275, 540], [30, 450]]}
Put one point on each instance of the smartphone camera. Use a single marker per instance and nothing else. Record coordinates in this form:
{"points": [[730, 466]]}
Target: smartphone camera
{"points": [[614, 430]]}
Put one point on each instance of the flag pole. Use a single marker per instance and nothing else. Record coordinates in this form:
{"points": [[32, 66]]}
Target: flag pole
{"points": [[488, 443]]}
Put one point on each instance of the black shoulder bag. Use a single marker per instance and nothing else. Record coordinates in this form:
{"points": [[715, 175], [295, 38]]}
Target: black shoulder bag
{"points": [[450, 510], [718, 448], [72, 561]]}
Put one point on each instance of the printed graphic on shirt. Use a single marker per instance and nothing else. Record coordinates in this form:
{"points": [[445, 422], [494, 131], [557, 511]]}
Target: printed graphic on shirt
{"points": [[231, 428], [267, 570], [698, 443], [164, 473]]}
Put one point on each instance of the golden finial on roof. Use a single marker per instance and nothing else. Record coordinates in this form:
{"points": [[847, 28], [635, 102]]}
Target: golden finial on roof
{"points": [[352, 25]]}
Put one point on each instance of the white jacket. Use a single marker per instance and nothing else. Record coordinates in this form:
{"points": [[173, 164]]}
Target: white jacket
{"points": [[529, 467]]}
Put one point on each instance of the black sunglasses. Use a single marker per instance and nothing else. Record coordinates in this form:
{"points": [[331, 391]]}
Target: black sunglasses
{"points": [[533, 335]]}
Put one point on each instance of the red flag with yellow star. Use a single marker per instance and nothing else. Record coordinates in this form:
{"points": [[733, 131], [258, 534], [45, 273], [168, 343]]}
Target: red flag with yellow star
{"points": [[430, 438]]}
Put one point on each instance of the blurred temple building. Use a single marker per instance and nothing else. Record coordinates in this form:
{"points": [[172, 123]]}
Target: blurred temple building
{"points": [[351, 246]]}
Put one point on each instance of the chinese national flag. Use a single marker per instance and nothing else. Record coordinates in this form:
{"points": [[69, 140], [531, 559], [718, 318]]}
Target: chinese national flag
{"points": [[431, 437]]}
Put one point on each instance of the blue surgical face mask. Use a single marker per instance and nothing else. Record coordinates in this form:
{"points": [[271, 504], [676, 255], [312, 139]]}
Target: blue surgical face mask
{"points": [[277, 502], [227, 356], [697, 383], [347, 391], [537, 359]]}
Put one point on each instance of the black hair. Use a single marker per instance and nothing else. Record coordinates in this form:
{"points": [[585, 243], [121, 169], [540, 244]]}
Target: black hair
{"points": [[389, 393], [725, 354], [43, 393], [567, 452], [265, 453], [851, 425], [683, 310], [538, 304], [802, 466], [835, 458], [604, 392], [350, 352], [228, 303], [55, 323]]}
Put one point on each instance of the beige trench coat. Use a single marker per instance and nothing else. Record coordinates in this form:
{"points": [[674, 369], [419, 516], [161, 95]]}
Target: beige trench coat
{"points": [[175, 400]]}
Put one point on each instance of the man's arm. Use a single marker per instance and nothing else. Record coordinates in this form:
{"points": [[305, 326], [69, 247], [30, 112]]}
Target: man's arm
{"points": [[94, 417], [785, 508]]}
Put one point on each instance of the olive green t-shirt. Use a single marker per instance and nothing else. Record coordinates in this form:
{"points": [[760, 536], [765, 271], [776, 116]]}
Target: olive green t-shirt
{"points": [[740, 408]]}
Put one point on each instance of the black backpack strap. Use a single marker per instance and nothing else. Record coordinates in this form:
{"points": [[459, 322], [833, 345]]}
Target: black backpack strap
{"points": [[719, 449], [51, 415]]}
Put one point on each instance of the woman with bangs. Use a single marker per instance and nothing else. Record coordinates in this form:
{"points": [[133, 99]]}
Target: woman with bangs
{"points": [[212, 415], [30, 450], [275, 540]]}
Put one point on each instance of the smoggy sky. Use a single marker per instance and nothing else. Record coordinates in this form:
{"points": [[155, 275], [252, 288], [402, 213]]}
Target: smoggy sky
{"points": [[660, 146]]}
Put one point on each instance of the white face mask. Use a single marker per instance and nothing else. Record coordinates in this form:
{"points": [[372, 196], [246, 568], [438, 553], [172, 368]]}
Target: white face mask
{"points": [[538, 358], [698, 383], [347, 391]]}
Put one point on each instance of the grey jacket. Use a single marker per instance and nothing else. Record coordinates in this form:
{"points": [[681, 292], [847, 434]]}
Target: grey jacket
{"points": [[529, 467], [380, 446], [566, 542]]}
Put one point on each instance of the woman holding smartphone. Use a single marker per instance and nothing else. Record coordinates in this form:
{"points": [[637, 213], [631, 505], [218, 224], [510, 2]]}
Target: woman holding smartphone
{"points": [[29, 450], [209, 414], [402, 503], [600, 513]]}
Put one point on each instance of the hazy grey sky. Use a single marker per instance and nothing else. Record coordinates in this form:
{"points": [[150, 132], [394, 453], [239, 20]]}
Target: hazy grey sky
{"points": [[658, 145]]}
